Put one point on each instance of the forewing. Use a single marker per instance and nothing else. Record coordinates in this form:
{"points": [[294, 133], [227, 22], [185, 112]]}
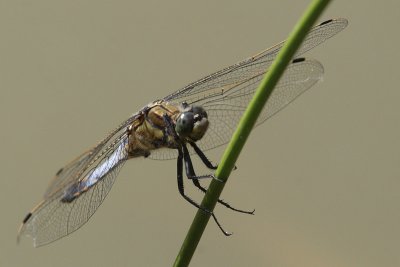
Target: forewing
{"points": [[226, 93], [66, 174], [93, 174], [225, 110], [73, 171], [214, 84], [224, 113]]}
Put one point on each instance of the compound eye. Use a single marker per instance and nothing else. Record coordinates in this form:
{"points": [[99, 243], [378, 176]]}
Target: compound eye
{"points": [[199, 113], [184, 124]]}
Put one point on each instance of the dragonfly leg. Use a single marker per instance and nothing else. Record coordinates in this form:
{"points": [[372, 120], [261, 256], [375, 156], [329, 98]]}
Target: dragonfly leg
{"points": [[205, 160], [192, 175], [191, 201], [189, 166], [220, 201], [188, 163], [203, 157]]}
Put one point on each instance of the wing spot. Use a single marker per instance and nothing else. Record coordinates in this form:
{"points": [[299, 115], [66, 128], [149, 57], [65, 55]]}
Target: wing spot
{"points": [[325, 22], [59, 171], [297, 60], [27, 217]]}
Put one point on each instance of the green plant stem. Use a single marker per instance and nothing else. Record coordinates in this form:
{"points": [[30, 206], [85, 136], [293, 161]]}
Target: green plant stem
{"points": [[245, 126]]}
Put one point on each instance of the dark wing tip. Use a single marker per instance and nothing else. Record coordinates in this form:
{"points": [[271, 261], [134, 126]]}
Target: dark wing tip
{"points": [[59, 171], [22, 226], [342, 21], [326, 22], [300, 59], [27, 217]]}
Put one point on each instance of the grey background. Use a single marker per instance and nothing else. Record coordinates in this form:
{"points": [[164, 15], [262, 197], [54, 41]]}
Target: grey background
{"points": [[323, 175]]}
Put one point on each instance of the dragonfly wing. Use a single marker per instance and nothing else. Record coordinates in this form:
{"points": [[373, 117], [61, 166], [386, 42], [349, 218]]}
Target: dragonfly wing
{"points": [[78, 189], [73, 170], [214, 84], [226, 108], [225, 93], [66, 174], [224, 113]]}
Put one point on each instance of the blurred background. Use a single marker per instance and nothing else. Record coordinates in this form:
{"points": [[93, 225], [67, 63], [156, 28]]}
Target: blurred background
{"points": [[323, 174]]}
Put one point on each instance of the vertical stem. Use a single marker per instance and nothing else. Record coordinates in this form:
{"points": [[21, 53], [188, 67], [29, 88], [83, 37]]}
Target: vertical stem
{"points": [[245, 126]]}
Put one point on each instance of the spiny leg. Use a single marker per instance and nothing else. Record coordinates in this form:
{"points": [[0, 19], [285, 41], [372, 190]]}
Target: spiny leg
{"points": [[203, 157], [192, 176], [189, 166], [182, 192], [171, 130], [220, 201]]}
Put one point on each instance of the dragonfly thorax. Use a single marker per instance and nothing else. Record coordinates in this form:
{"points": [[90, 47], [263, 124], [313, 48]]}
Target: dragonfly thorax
{"points": [[192, 123]]}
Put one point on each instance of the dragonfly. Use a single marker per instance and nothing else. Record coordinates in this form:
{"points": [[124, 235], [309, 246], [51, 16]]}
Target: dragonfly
{"points": [[194, 119]]}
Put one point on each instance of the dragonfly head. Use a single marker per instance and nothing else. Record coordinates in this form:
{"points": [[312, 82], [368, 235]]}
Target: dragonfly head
{"points": [[192, 123]]}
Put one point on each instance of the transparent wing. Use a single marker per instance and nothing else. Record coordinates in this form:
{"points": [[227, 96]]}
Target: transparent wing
{"points": [[224, 113], [214, 84], [225, 109], [66, 174], [225, 93], [77, 190]]}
